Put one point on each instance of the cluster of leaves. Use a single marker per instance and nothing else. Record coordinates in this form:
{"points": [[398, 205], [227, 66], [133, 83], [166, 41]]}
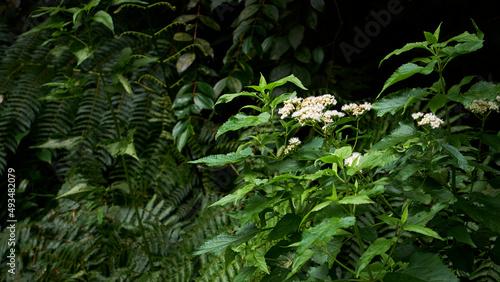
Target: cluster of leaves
{"points": [[420, 204]]}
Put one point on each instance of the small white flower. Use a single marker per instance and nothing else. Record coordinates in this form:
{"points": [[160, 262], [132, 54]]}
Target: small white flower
{"points": [[482, 106], [350, 160], [293, 143], [356, 109], [428, 118], [417, 115]]}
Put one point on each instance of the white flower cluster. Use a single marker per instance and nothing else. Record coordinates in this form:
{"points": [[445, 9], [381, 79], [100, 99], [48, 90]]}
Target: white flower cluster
{"points": [[482, 106], [293, 143], [428, 118], [350, 160], [356, 109], [308, 109]]}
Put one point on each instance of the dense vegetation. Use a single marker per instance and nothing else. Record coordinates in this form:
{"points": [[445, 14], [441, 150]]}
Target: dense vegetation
{"points": [[244, 140]]}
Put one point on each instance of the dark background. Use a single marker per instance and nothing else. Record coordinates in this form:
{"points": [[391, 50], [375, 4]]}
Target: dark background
{"points": [[406, 26]]}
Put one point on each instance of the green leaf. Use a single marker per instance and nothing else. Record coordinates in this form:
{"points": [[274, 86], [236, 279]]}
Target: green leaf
{"points": [[437, 102], [407, 47], [123, 147], [233, 84], [460, 234], [296, 35], [380, 246], [405, 71], [246, 274], [283, 97], [291, 78], [237, 195], [431, 39], [248, 12], [316, 236], [104, 18], [356, 200], [241, 120], [405, 131], [374, 159], [423, 217], [425, 267], [209, 22], [483, 208], [218, 244], [279, 48], [256, 257], [318, 55], [482, 89], [458, 157], [203, 102], [287, 224], [271, 12], [224, 159], [318, 5], [83, 53], [423, 230], [226, 98], [182, 36], [185, 61], [397, 101], [81, 188]]}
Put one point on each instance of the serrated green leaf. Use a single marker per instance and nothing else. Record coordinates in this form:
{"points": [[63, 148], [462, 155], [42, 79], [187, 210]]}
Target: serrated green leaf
{"points": [[218, 244], [380, 246], [437, 102], [226, 98], [423, 230], [404, 132], [405, 71], [428, 267], [482, 89], [224, 159], [407, 47], [431, 39], [241, 120], [356, 200], [318, 235], [257, 258], [246, 274], [397, 101]]}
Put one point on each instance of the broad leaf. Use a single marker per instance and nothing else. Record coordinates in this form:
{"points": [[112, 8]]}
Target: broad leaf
{"points": [[405, 71], [104, 18], [423, 230], [407, 47], [226, 98], [224, 159], [398, 100], [404, 132], [380, 246], [288, 224], [218, 244], [241, 120]]}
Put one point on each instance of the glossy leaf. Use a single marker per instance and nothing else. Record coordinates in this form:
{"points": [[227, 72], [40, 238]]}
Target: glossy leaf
{"points": [[104, 18], [185, 61], [379, 247], [241, 120], [224, 159]]}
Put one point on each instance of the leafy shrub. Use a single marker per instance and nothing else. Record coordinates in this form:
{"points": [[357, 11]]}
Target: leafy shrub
{"points": [[419, 204]]}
